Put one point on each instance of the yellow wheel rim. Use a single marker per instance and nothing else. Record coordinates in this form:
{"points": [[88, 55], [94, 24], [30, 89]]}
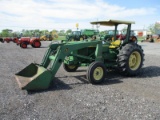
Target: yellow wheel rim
{"points": [[134, 60], [81, 39], [98, 73], [71, 66]]}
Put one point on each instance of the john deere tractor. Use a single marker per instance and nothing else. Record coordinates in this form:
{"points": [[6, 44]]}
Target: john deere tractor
{"points": [[99, 56], [81, 34]]}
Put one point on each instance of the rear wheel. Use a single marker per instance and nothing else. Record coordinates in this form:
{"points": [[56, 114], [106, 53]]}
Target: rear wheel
{"points": [[23, 45], [130, 59], [70, 68], [36, 44], [96, 72]]}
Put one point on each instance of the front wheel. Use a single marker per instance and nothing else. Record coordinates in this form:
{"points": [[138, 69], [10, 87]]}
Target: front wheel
{"points": [[23, 45], [70, 68], [96, 72]]}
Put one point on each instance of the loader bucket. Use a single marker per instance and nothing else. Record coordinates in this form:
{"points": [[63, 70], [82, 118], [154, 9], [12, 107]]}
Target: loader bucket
{"points": [[34, 77]]}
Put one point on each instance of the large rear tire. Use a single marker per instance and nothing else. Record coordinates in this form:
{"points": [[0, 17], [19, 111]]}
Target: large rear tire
{"points": [[130, 59], [70, 68], [36, 44], [96, 72]]}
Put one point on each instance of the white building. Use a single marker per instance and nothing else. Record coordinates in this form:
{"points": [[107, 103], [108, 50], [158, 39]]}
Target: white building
{"points": [[141, 32]]}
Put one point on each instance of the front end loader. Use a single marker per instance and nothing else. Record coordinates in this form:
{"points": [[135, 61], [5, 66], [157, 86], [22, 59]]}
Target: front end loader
{"points": [[99, 55], [39, 76]]}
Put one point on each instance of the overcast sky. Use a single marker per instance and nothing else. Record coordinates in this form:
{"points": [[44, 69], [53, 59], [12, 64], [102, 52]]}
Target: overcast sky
{"points": [[64, 14]]}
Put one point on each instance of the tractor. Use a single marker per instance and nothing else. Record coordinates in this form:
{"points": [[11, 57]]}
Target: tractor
{"points": [[149, 38], [49, 37], [125, 56], [81, 34], [24, 41], [8, 39]]}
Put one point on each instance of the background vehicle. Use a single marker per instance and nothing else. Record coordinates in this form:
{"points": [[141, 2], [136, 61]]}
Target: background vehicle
{"points": [[24, 41], [10, 39], [81, 34], [149, 38], [49, 37]]}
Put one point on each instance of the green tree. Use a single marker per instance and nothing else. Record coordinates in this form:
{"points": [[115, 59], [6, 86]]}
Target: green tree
{"points": [[68, 31], [151, 28], [61, 33], [36, 33], [6, 33], [44, 32], [157, 28], [56, 31], [154, 28]]}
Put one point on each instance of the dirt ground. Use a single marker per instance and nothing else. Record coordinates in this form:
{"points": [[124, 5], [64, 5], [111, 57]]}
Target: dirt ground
{"points": [[72, 97]]}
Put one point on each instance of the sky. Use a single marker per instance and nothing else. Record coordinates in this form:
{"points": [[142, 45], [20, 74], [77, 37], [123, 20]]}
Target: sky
{"points": [[64, 14]]}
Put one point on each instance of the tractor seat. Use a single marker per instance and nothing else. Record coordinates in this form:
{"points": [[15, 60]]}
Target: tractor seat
{"points": [[115, 44]]}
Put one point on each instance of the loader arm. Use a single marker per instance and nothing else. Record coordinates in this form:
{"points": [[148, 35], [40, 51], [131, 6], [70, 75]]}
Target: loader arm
{"points": [[64, 49]]}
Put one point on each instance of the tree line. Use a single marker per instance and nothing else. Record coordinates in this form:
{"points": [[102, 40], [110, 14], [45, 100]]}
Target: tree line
{"points": [[153, 28], [31, 33]]}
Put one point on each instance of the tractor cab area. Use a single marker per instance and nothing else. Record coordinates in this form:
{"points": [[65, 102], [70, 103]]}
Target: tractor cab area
{"points": [[114, 38]]}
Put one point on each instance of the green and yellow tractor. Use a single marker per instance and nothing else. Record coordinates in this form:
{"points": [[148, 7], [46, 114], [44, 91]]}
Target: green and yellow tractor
{"points": [[82, 34], [99, 56]]}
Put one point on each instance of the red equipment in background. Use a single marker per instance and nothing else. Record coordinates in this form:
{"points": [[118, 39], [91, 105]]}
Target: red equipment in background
{"points": [[24, 41], [9, 39]]}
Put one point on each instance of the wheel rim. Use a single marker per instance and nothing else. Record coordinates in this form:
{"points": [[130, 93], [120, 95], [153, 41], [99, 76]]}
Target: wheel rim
{"points": [[98, 73], [24, 45], [71, 66], [134, 60], [81, 39], [37, 44]]}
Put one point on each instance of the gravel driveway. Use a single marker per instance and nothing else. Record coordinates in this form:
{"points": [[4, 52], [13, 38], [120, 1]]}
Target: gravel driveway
{"points": [[71, 97]]}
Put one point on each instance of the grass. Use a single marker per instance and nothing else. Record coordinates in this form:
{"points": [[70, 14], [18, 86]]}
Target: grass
{"points": [[140, 38], [61, 38]]}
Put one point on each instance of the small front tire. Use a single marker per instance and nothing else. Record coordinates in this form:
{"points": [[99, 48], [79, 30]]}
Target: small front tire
{"points": [[23, 45], [96, 72]]}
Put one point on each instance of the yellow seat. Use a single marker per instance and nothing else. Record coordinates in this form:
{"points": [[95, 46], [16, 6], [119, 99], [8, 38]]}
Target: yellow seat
{"points": [[115, 44]]}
